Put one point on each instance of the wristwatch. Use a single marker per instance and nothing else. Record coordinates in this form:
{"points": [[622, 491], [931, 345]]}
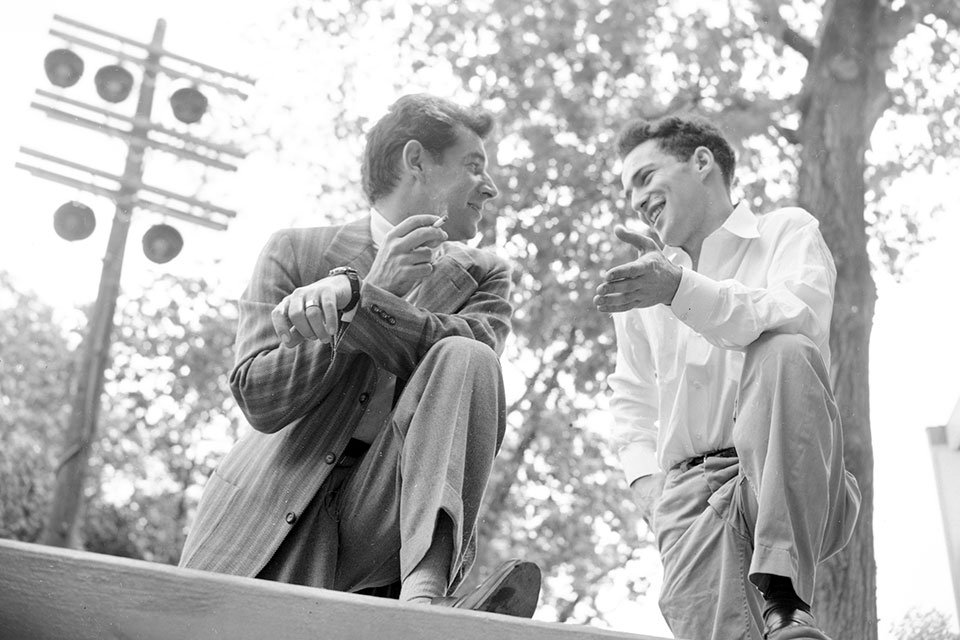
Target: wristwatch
{"points": [[354, 278]]}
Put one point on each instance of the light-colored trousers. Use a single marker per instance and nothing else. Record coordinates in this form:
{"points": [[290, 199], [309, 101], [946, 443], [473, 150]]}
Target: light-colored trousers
{"points": [[785, 503], [371, 523]]}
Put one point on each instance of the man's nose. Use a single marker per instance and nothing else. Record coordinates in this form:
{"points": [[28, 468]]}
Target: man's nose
{"points": [[488, 188]]}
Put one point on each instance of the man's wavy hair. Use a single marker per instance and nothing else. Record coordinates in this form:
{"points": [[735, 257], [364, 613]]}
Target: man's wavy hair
{"points": [[679, 136], [432, 121]]}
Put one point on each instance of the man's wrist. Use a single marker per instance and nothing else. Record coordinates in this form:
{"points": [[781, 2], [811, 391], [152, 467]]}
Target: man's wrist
{"points": [[354, 277]]}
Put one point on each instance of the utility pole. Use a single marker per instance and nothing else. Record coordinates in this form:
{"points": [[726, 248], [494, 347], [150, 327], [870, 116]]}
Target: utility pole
{"points": [[140, 135]]}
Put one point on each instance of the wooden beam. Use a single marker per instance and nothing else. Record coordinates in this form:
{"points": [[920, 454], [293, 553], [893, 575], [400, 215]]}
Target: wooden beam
{"points": [[150, 126], [146, 46], [114, 195], [140, 62], [130, 136], [47, 592]]}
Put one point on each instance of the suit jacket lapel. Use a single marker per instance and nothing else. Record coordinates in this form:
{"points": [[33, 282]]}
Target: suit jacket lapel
{"points": [[450, 284], [352, 246]]}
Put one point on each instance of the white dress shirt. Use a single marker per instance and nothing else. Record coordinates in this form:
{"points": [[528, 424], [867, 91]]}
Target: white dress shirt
{"points": [[678, 367]]}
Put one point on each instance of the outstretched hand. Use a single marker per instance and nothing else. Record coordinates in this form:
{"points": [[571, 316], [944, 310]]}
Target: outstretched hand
{"points": [[649, 280]]}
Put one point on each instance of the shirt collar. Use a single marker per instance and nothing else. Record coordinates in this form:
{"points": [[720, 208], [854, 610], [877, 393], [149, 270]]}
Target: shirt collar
{"points": [[379, 227], [742, 222]]}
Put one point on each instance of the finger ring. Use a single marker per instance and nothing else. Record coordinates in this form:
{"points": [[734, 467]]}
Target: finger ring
{"points": [[311, 304]]}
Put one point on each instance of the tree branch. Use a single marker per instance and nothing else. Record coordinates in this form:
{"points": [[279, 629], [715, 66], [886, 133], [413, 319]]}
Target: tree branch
{"points": [[792, 136], [798, 43], [895, 25], [768, 15]]}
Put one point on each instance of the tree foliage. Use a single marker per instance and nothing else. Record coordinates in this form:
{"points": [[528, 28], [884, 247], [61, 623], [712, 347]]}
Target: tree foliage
{"points": [[928, 624], [561, 77], [167, 416], [35, 372], [799, 86]]}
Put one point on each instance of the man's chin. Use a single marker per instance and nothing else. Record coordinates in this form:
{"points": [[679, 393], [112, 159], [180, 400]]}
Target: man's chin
{"points": [[462, 235]]}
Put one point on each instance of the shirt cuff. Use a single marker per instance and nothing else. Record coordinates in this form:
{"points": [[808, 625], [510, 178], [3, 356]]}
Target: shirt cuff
{"points": [[636, 460], [695, 300], [347, 316]]}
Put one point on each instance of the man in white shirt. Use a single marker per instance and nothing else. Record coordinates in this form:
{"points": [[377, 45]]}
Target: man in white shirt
{"points": [[726, 425]]}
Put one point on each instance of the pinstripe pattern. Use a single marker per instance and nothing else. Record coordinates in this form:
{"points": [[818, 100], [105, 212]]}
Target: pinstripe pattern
{"points": [[303, 402]]}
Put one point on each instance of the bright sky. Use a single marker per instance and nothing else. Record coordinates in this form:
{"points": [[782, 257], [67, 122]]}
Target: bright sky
{"points": [[915, 340]]}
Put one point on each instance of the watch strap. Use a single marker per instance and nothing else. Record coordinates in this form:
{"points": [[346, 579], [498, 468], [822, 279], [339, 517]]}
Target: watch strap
{"points": [[354, 277]]}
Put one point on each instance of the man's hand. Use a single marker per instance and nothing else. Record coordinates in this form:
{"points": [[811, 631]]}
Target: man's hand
{"points": [[646, 491], [649, 280], [310, 312], [405, 257]]}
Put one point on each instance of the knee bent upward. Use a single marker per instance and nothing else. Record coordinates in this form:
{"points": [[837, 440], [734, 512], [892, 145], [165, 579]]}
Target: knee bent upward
{"points": [[782, 346], [468, 348]]}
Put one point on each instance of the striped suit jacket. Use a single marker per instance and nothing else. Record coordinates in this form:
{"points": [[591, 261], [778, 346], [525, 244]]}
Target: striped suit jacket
{"points": [[304, 403]]}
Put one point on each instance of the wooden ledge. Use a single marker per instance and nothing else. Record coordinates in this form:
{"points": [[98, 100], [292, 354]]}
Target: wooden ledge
{"points": [[48, 592]]}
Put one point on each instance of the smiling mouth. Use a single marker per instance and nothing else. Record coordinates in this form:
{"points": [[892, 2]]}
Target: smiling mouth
{"points": [[653, 213]]}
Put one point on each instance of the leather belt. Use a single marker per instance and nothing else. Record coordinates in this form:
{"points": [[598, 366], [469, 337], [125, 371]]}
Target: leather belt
{"points": [[353, 452], [695, 461]]}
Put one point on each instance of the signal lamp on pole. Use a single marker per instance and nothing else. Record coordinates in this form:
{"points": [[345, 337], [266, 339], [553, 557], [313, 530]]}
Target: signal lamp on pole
{"points": [[188, 104], [162, 243], [63, 67], [113, 83], [74, 221]]}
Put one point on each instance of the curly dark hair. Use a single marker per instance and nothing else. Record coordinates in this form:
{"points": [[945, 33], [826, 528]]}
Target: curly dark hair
{"points": [[433, 121], [680, 137]]}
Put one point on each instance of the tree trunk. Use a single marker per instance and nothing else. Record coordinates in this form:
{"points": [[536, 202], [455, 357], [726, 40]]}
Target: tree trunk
{"points": [[841, 91]]}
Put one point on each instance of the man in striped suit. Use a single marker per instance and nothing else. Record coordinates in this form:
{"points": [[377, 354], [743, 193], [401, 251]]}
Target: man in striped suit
{"points": [[367, 362]]}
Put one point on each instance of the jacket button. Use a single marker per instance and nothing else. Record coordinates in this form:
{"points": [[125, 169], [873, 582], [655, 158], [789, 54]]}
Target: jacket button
{"points": [[375, 307], [364, 397], [392, 320], [330, 458], [291, 518]]}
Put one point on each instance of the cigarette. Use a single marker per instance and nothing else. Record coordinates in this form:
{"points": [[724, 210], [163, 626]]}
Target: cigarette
{"points": [[439, 223]]}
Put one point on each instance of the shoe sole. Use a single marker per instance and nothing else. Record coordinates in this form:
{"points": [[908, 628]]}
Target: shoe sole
{"points": [[514, 593]]}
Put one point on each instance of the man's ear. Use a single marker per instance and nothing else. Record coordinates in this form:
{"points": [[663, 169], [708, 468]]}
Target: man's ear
{"points": [[703, 161], [413, 155]]}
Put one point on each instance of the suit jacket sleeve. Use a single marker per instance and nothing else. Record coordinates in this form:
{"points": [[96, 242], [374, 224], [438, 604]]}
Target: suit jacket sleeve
{"points": [[275, 385], [398, 334]]}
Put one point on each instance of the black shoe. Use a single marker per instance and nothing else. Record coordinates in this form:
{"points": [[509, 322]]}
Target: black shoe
{"points": [[783, 622], [513, 590]]}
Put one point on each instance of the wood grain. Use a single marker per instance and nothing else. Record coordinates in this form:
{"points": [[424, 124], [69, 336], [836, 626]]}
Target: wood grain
{"points": [[48, 592]]}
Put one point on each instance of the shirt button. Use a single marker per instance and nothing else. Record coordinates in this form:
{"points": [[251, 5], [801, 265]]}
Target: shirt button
{"points": [[330, 458], [291, 518], [364, 397]]}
